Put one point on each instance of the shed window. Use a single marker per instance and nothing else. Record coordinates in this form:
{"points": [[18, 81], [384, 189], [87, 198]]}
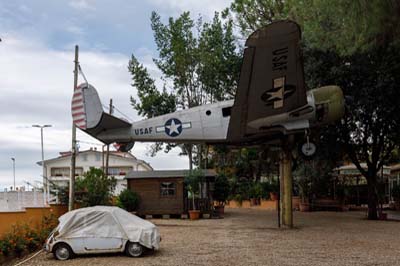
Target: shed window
{"points": [[167, 189]]}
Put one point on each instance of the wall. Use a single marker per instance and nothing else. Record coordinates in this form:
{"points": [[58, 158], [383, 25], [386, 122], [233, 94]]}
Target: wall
{"points": [[32, 216], [270, 205], [151, 201]]}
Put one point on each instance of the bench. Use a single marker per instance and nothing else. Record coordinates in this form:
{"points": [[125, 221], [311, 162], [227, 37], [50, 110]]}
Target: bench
{"points": [[326, 205]]}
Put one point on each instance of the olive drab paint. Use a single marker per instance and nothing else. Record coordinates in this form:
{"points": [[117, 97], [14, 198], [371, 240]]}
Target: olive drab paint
{"points": [[271, 78]]}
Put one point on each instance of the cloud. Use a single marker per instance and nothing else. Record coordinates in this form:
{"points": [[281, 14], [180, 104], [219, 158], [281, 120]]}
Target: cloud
{"points": [[204, 7], [36, 86], [82, 5]]}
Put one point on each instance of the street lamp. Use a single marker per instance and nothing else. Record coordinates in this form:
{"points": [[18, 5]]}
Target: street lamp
{"points": [[46, 185], [13, 159]]}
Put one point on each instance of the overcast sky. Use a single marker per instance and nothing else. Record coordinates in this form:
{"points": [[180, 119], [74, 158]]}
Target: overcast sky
{"points": [[36, 64]]}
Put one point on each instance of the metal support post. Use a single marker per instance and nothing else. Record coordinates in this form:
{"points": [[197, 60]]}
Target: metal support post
{"points": [[286, 184]]}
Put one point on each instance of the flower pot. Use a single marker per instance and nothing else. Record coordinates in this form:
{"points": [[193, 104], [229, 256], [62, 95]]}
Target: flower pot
{"points": [[220, 209], [304, 207], [382, 216], [253, 202], [345, 208], [194, 214], [273, 196]]}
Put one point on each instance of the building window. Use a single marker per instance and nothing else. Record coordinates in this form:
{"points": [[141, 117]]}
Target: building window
{"points": [[98, 157], [167, 189], [60, 171], [123, 170], [79, 171], [65, 171], [84, 157]]}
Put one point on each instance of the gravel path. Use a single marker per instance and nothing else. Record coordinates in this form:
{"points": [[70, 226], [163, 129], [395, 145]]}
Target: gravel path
{"points": [[250, 237]]}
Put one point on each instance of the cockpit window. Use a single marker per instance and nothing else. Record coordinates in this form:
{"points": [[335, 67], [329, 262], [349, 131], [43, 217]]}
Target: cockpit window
{"points": [[226, 111]]}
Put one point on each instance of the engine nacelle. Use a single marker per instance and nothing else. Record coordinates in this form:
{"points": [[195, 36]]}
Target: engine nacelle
{"points": [[124, 147], [328, 104]]}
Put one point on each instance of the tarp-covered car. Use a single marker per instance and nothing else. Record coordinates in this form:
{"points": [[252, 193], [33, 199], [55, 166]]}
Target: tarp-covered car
{"points": [[101, 229]]}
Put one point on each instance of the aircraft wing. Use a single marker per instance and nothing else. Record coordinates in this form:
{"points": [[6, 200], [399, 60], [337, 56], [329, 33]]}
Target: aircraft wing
{"points": [[271, 79]]}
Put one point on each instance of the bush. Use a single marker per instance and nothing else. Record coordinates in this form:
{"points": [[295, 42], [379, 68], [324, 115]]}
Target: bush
{"points": [[128, 200], [95, 188], [22, 237], [256, 190]]}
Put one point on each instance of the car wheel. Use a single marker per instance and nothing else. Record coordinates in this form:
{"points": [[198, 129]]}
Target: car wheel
{"points": [[62, 252], [134, 249]]}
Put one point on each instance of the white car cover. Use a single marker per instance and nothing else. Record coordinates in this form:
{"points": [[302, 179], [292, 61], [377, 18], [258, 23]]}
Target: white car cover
{"points": [[105, 221]]}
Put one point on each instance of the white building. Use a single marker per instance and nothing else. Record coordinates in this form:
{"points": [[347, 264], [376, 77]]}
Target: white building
{"points": [[120, 163]]}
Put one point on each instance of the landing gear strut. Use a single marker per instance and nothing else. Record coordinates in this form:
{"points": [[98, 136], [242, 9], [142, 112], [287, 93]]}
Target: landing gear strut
{"points": [[307, 149]]}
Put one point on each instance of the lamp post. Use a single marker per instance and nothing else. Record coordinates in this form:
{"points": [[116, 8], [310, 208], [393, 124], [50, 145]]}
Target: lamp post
{"points": [[46, 184], [13, 159]]}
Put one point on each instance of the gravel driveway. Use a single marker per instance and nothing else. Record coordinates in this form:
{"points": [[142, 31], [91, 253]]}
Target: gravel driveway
{"points": [[251, 237]]}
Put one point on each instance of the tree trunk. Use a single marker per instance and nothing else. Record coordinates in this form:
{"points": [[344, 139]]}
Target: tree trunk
{"points": [[372, 198], [190, 155]]}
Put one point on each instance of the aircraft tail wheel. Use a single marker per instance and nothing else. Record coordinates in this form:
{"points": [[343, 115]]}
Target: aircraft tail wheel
{"points": [[307, 150]]}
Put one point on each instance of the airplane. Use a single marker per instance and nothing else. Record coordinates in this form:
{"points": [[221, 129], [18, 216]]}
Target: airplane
{"points": [[271, 102]]}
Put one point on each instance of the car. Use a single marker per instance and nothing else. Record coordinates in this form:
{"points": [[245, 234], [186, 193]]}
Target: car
{"points": [[101, 229]]}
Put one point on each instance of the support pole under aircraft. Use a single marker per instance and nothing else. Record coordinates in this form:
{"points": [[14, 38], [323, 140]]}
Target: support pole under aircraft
{"points": [[286, 183], [73, 149]]}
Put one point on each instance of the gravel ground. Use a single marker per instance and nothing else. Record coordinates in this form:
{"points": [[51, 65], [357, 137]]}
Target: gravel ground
{"points": [[251, 237]]}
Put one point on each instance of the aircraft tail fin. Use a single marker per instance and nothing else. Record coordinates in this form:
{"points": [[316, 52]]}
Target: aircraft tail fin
{"points": [[88, 113]]}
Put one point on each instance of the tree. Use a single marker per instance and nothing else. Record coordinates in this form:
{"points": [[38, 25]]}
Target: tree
{"points": [[95, 188], [199, 60], [151, 102], [251, 15], [348, 26], [345, 26], [192, 183]]}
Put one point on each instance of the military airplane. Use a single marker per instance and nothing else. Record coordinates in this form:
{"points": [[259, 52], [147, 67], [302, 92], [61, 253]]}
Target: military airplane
{"points": [[271, 102]]}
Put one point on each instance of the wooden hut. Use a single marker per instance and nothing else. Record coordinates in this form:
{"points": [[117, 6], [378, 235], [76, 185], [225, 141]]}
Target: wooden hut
{"points": [[163, 191]]}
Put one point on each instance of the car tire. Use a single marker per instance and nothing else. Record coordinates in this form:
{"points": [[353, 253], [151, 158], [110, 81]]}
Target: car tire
{"points": [[62, 251], [133, 249]]}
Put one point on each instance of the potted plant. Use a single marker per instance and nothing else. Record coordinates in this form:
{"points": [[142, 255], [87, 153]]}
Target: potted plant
{"points": [[192, 181], [396, 197], [257, 191], [272, 190], [221, 193], [252, 194], [304, 185]]}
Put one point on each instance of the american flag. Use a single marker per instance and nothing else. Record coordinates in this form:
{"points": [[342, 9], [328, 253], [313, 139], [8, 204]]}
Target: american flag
{"points": [[78, 107]]}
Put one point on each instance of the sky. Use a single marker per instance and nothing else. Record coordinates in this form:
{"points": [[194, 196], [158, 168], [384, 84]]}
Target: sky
{"points": [[36, 71]]}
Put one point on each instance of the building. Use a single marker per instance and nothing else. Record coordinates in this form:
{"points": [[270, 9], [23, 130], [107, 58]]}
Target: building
{"points": [[350, 175], [120, 163], [163, 192]]}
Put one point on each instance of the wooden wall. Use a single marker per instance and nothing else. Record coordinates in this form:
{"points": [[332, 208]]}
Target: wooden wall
{"points": [[151, 201]]}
